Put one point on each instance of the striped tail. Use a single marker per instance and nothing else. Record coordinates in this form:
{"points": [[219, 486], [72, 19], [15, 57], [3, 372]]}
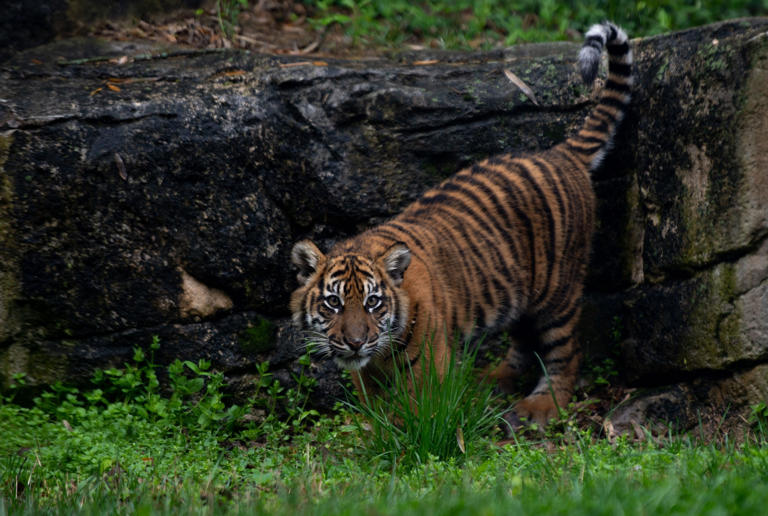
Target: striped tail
{"points": [[596, 135]]}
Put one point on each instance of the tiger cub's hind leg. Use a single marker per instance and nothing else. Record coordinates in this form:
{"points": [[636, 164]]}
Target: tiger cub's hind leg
{"points": [[511, 368], [518, 362], [559, 352]]}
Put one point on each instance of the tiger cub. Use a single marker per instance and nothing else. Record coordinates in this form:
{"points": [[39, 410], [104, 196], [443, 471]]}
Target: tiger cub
{"points": [[505, 240]]}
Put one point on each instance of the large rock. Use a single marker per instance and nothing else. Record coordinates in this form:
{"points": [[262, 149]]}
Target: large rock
{"points": [[146, 193]]}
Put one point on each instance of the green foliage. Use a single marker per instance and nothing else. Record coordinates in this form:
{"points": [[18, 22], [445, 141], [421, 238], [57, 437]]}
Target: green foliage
{"points": [[484, 23], [90, 431], [260, 337], [759, 419], [130, 446], [269, 395], [604, 371], [196, 400], [419, 417]]}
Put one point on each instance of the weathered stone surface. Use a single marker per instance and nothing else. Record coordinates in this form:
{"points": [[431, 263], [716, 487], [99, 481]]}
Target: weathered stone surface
{"points": [[708, 322], [701, 186], [710, 405], [160, 194]]}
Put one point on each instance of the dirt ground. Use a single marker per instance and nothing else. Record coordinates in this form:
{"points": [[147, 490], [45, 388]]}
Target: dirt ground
{"points": [[265, 26]]}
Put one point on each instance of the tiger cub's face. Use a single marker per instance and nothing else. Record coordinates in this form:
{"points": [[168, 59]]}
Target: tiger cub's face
{"points": [[351, 305]]}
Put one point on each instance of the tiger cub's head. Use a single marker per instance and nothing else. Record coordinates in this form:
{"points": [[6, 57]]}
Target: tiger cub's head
{"points": [[351, 305]]}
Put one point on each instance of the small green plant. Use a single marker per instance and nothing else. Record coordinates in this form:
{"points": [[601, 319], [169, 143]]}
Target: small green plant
{"points": [[196, 399], [282, 412], [604, 372], [228, 12], [260, 337], [419, 417], [759, 419]]}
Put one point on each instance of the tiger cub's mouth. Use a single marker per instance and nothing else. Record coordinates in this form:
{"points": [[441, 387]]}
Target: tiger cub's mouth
{"points": [[353, 359], [352, 363]]}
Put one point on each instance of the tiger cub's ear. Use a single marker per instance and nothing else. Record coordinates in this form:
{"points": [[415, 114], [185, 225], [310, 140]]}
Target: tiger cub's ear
{"points": [[395, 260], [306, 256]]}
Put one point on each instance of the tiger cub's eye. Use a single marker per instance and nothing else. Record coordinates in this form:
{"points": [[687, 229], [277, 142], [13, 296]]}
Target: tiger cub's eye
{"points": [[372, 302], [333, 301]]}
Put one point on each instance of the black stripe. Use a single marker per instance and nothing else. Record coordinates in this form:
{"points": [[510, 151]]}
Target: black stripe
{"points": [[487, 297], [618, 49], [595, 39], [592, 148], [577, 150], [573, 277], [439, 229], [591, 140], [562, 359], [472, 261], [481, 217], [478, 168], [617, 86], [622, 69], [595, 43], [503, 183], [598, 121], [602, 109], [551, 176], [479, 315], [503, 291], [432, 198], [412, 361], [547, 212], [568, 156], [488, 193], [399, 227], [560, 321], [613, 102], [548, 347], [493, 198], [497, 159], [472, 247], [555, 366]]}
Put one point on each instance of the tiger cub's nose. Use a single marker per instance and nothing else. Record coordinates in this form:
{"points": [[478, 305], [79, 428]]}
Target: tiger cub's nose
{"points": [[355, 344]]}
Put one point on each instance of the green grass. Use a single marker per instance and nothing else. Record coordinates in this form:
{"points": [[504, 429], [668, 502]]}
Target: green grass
{"points": [[126, 446], [489, 23], [439, 420]]}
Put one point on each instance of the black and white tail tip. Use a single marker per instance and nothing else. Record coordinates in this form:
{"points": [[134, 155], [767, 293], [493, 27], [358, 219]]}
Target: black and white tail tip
{"points": [[596, 135], [597, 37]]}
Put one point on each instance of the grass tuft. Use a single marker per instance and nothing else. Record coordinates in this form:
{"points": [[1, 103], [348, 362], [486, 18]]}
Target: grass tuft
{"points": [[436, 419]]}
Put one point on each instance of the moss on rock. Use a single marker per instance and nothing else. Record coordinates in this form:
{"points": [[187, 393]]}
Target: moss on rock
{"points": [[9, 283]]}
